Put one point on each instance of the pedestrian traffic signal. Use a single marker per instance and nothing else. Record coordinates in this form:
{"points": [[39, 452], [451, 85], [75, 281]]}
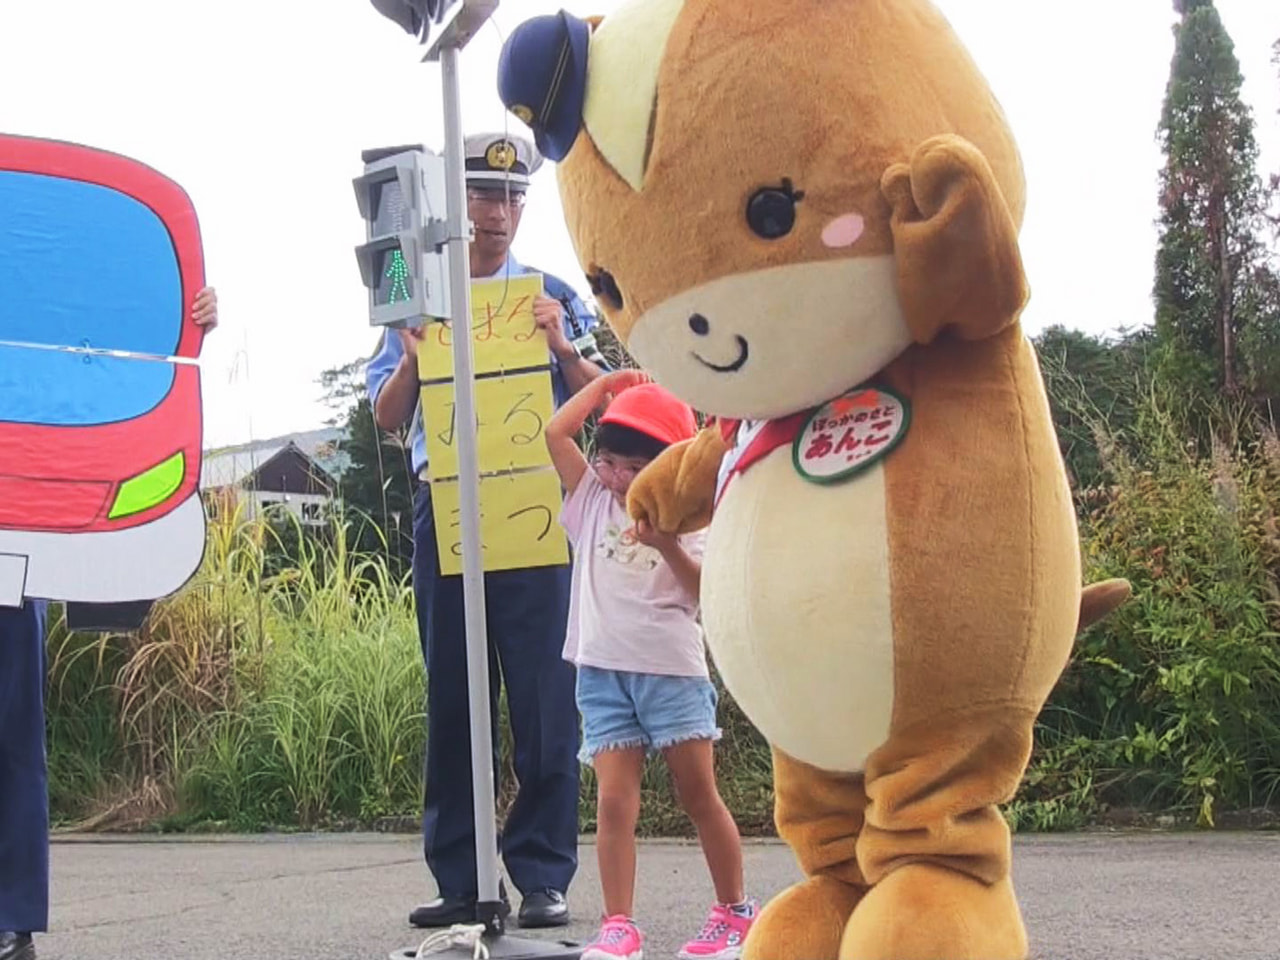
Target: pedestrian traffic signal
{"points": [[415, 16], [404, 259]]}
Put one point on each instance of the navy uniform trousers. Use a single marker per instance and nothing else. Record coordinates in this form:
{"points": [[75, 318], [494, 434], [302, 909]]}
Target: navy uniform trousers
{"points": [[24, 790], [526, 614]]}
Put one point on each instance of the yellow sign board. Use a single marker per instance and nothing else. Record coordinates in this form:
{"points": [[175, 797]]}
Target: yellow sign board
{"points": [[512, 413], [520, 495], [504, 335], [519, 522]]}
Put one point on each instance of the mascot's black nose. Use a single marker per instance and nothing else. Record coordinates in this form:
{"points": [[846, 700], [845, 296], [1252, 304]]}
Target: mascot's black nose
{"points": [[542, 79], [699, 324]]}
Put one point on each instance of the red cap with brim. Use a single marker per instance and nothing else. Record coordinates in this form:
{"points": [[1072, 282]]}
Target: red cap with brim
{"points": [[652, 411]]}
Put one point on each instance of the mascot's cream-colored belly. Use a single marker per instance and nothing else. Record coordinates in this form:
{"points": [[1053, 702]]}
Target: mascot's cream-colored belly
{"points": [[795, 600]]}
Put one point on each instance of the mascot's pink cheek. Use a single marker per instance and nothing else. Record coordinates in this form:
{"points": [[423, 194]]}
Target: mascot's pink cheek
{"points": [[843, 231]]}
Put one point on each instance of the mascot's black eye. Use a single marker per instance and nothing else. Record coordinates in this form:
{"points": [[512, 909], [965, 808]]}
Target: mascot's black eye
{"points": [[771, 211], [604, 287]]}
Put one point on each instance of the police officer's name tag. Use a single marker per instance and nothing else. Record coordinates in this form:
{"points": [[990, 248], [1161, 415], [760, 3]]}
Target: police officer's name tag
{"points": [[850, 433]]}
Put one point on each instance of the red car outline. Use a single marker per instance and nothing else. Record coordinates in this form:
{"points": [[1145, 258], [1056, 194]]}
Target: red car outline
{"points": [[96, 459]]}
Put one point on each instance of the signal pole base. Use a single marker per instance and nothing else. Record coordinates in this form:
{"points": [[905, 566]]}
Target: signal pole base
{"points": [[502, 947]]}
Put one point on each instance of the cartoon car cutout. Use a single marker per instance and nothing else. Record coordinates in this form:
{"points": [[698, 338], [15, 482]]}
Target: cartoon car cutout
{"points": [[100, 419]]}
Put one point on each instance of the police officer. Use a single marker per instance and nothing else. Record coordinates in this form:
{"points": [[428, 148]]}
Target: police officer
{"points": [[24, 794], [526, 609]]}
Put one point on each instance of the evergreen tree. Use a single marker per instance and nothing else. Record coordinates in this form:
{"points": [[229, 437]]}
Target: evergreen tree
{"points": [[376, 487], [342, 388], [1214, 308]]}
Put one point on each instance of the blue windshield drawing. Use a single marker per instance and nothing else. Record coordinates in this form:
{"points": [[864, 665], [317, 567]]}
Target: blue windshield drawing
{"points": [[82, 265]]}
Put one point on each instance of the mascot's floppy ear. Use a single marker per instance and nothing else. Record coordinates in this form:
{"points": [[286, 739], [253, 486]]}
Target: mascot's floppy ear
{"points": [[955, 242], [542, 78]]}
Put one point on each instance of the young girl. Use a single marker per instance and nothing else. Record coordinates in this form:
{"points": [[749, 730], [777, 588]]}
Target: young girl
{"points": [[643, 684]]}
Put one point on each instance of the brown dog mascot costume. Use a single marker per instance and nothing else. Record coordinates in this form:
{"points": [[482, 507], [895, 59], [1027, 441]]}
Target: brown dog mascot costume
{"points": [[802, 218]]}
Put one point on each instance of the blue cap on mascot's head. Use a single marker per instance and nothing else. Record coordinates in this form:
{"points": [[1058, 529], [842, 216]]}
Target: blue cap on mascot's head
{"points": [[542, 79]]}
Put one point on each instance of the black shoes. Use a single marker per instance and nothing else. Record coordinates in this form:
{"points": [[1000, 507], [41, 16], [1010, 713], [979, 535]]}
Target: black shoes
{"points": [[541, 908], [443, 912], [446, 911], [544, 908], [17, 946]]}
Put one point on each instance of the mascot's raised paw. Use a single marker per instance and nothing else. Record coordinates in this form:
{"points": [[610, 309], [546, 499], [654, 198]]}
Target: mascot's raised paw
{"points": [[675, 493], [975, 287], [805, 922], [919, 910]]}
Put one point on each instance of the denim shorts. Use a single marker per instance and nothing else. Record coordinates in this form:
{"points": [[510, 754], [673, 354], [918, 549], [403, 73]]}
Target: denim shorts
{"points": [[621, 710]]}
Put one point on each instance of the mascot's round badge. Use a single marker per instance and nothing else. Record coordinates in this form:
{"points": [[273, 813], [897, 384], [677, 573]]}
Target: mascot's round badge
{"points": [[850, 433]]}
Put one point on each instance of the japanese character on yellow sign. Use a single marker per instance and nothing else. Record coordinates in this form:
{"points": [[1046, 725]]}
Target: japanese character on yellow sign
{"points": [[504, 336], [519, 522], [513, 412]]}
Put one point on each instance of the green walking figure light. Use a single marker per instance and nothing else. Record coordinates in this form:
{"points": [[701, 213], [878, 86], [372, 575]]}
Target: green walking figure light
{"points": [[398, 274]]}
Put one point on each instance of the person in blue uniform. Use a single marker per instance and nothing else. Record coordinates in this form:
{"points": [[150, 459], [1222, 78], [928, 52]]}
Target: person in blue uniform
{"points": [[24, 791], [24, 795], [526, 610]]}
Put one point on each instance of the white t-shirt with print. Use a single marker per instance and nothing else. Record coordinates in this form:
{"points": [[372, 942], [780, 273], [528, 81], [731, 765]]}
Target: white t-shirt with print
{"points": [[627, 610]]}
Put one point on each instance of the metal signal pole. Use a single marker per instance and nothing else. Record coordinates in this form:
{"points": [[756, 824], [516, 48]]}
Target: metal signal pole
{"points": [[462, 24]]}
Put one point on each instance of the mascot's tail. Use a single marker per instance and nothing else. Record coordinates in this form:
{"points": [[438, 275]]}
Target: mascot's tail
{"points": [[1098, 600]]}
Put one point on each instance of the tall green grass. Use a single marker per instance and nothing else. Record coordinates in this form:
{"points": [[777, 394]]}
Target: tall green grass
{"points": [[251, 698], [283, 687]]}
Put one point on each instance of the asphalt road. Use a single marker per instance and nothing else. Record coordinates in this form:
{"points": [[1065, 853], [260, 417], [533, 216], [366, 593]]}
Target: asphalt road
{"points": [[347, 897]]}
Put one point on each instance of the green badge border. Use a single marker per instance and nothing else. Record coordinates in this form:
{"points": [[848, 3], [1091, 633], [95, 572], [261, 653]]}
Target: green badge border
{"points": [[857, 468]]}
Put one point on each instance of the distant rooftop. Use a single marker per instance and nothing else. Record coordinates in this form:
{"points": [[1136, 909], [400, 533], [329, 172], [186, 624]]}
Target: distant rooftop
{"points": [[229, 466]]}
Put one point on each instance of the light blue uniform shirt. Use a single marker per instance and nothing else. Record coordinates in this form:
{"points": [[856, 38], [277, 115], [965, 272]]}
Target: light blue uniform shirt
{"points": [[578, 321]]}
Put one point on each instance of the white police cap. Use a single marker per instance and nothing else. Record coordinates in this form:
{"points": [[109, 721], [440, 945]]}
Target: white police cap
{"points": [[501, 159]]}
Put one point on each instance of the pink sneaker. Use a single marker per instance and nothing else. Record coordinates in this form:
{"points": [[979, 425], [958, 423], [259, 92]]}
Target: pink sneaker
{"points": [[722, 935], [619, 939]]}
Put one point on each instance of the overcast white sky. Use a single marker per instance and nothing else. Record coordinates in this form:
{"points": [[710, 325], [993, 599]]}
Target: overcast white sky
{"points": [[260, 109]]}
